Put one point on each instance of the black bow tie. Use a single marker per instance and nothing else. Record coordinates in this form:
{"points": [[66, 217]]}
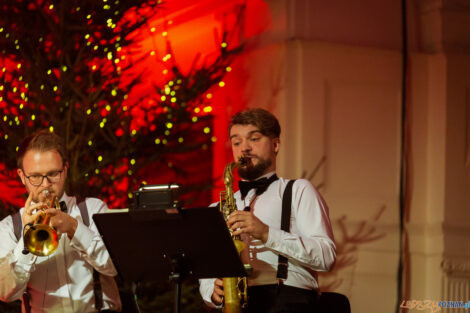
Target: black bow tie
{"points": [[63, 206], [260, 185]]}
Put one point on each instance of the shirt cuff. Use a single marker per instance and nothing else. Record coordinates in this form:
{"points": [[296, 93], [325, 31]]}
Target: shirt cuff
{"points": [[83, 237], [274, 237], [25, 261]]}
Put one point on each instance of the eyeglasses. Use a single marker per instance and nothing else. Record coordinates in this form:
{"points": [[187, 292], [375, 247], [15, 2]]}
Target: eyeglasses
{"points": [[52, 177]]}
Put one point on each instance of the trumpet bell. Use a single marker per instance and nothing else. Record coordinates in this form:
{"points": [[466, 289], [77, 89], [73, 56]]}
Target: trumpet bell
{"points": [[41, 240]]}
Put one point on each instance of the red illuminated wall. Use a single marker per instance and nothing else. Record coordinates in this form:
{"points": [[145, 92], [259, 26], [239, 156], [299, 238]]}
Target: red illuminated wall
{"points": [[194, 30]]}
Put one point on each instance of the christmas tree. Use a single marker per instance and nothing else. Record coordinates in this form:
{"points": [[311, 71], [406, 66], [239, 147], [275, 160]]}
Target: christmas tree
{"points": [[69, 66]]}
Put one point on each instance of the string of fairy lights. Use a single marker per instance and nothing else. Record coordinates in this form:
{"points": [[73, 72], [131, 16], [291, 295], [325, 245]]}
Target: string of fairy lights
{"points": [[84, 78]]}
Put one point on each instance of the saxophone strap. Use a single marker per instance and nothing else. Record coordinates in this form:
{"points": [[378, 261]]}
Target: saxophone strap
{"points": [[285, 226]]}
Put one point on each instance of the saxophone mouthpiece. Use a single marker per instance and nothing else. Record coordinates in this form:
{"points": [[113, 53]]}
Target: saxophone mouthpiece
{"points": [[242, 161]]}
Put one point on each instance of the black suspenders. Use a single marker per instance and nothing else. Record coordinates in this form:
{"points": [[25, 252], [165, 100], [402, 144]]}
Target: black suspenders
{"points": [[98, 293], [17, 225], [17, 228], [285, 226]]}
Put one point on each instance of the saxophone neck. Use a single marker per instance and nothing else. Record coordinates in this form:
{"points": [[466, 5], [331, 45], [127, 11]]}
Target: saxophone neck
{"points": [[228, 171], [228, 175]]}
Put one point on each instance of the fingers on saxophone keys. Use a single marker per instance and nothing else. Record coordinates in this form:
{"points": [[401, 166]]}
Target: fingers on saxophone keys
{"points": [[239, 232], [237, 228], [230, 220], [219, 291], [218, 300], [234, 217], [218, 294]]}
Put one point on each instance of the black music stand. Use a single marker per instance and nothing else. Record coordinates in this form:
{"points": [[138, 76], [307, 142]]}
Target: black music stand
{"points": [[169, 244]]}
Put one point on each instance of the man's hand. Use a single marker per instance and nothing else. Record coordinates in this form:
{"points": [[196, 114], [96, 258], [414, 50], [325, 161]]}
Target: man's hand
{"points": [[242, 222], [29, 216], [62, 222], [218, 293]]}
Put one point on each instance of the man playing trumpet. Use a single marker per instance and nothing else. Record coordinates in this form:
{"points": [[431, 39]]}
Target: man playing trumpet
{"points": [[285, 253], [78, 275]]}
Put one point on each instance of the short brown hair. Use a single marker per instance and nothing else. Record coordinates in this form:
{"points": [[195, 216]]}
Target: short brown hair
{"points": [[42, 140], [266, 122]]}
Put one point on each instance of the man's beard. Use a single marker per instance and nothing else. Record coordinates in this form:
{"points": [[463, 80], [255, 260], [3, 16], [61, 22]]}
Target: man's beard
{"points": [[255, 171]]}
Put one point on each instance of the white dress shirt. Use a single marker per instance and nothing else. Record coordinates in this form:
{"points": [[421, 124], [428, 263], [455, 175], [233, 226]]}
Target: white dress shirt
{"points": [[309, 246], [62, 281]]}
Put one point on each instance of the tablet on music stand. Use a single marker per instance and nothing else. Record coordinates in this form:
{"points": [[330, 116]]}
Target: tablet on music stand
{"points": [[156, 245]]}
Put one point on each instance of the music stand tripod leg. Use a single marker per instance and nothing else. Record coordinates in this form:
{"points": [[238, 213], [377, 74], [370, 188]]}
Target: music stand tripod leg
{"points": [[176, 278]]}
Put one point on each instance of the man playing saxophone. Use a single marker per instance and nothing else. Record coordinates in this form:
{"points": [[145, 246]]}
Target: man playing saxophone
{"points": [[78, 275], [285, 253]]}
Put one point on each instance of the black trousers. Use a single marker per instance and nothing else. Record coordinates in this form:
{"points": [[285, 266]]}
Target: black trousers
{"points": [[280, 299]]}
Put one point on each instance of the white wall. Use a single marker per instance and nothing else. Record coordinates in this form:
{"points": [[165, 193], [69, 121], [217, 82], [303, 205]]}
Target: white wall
{"points": [[336, 88], [343, 103]]}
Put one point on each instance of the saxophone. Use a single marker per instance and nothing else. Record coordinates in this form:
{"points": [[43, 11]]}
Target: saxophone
{"points": [[235, 288]]}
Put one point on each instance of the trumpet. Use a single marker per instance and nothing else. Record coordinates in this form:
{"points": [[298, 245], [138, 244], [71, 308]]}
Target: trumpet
{"points": [[235, 288], [41, 239]]}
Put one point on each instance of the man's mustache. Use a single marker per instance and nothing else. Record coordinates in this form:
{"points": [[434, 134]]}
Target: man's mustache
{"points": [[248, 158]]}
